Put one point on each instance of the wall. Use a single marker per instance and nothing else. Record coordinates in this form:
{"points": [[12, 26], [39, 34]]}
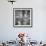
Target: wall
{"points": [[37, 32]]}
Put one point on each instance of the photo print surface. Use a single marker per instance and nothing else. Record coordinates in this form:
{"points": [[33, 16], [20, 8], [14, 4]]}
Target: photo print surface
{"points": [[22, 16]]}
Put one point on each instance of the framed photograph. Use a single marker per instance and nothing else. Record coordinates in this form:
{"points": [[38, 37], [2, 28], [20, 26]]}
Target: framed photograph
{"points": [[22, 17]]}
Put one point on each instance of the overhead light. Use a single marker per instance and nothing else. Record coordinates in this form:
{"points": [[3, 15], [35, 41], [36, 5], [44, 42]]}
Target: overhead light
{"points": [[12, 1]]}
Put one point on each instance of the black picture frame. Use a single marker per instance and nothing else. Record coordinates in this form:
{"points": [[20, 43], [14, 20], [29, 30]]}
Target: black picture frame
{"points": [[20, 15]]}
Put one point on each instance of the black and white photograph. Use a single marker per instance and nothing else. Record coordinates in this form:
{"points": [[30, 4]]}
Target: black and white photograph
{"points": [[22, 17]]}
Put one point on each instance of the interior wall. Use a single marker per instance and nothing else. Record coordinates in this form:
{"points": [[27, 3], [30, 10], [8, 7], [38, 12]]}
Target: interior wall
{"points": [[37, 31]]}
